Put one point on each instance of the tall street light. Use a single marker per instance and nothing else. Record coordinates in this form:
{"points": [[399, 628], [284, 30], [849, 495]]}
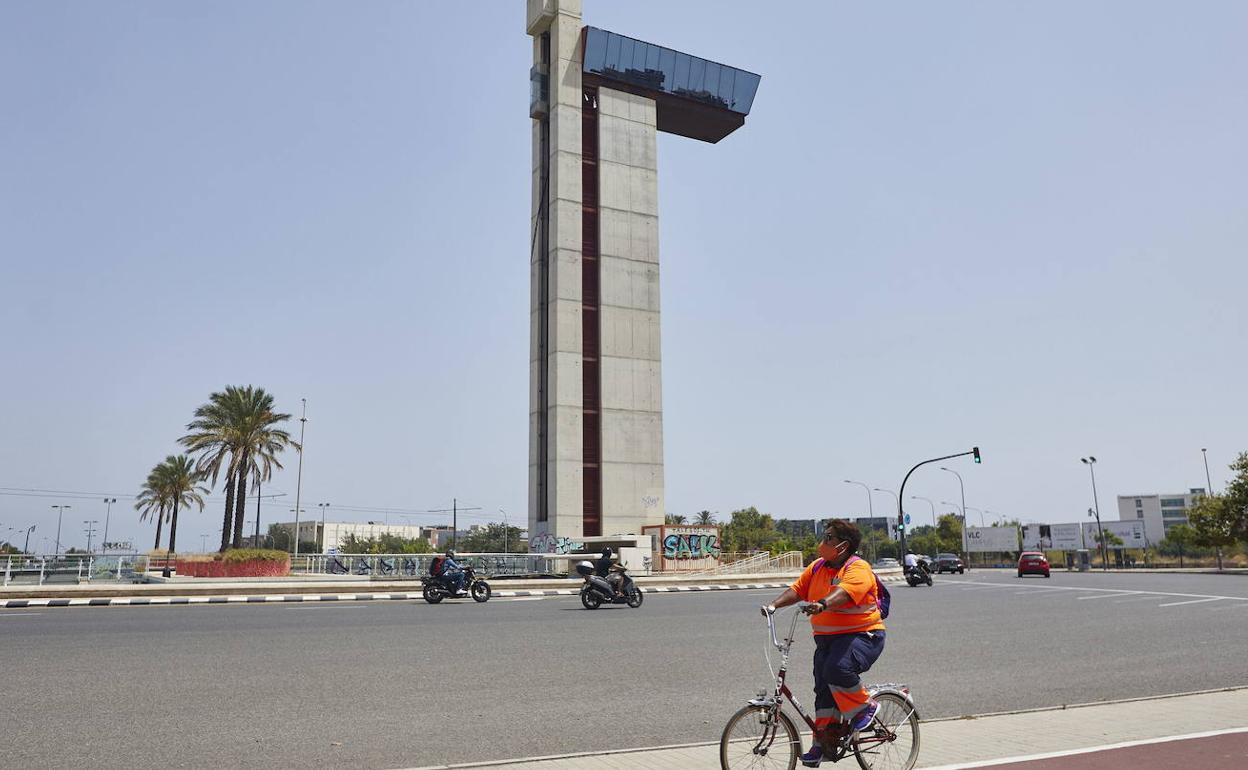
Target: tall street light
{"points": [[981, 514], [297, 512], [303, 421], [929, 502], [870, 506], [324, 507], [962, 491], [506, 526], [1090, 461], [895, 499], [871, 512], [60, 511], [108, 501], [1208, 481]]}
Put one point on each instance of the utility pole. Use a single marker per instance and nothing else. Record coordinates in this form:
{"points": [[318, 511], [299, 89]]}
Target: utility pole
{"points": [[90, 531], [104, 543], [1090, 461], [303, 420], [60, 511], [454, 511]]}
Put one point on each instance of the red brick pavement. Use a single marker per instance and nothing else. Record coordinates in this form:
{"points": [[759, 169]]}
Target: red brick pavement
{"points": [[1218, 752]]}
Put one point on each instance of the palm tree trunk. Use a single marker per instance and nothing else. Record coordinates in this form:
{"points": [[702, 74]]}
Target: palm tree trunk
{"points": [[173, 526], [160, 521], [240, 501], [227, 525]]}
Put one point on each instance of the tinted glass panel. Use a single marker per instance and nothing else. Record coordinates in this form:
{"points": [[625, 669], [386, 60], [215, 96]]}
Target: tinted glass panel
{"points": [[595, 49], [613, 54], [624, 59], [743, 91], [667, 65], [697, 74], [652, 57], [681, 81]]}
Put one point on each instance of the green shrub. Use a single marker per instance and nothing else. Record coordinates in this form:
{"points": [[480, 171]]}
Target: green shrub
{"points": [[236, 555]]}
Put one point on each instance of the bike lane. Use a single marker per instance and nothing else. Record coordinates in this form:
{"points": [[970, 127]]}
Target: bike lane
{"points": [[1205, 753]]}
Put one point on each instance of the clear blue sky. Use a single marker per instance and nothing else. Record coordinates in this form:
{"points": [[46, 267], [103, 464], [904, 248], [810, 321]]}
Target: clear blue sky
{"points": [[1017, 225]]}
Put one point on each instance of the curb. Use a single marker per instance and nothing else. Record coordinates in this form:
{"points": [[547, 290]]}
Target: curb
{"points": [[144, 601]]}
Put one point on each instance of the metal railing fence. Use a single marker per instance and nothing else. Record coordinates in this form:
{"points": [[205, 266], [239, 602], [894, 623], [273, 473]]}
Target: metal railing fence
{"points": [[28, 569]]}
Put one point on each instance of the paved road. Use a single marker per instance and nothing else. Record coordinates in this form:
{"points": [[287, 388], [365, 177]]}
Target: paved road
{"points": [[390, 684]]}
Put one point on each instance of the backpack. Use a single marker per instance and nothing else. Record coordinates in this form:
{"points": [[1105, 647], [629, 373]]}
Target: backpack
{"points": [[883, 598], [435, 566]]}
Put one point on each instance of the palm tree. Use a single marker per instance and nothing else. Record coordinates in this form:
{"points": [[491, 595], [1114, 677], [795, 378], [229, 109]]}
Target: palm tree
{"points": [[704, 518], [674, 518], [237, 429], [151, 501], [180, 482]]}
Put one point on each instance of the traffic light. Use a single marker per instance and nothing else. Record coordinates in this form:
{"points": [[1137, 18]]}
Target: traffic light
{"points": [[975, 452]]}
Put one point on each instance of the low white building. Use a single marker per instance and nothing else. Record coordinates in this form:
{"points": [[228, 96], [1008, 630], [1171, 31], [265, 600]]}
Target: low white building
{"points": [[1159, 512], [335, 533]]}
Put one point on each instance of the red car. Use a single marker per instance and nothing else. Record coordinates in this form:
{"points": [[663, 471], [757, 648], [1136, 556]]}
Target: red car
{"points": [[1033, 563]]}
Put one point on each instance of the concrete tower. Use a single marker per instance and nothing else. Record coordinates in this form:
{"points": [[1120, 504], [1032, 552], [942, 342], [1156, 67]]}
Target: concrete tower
{"points": [[595, 407]]}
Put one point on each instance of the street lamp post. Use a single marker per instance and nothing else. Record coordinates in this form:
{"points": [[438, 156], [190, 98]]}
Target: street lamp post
{"points": [[60, 511], [929, 502], [26, 547], [324, 507], [90, 531], [966, 554], [1090, 461], [506, 526], [900, 521], [108, 501], [303, 421], [1208, 480], [870, 510], [297, 511]]}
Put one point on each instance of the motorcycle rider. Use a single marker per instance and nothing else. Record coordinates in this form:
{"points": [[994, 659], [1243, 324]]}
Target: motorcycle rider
{"points": [[606, 568], [453, 574], [909, 562]]}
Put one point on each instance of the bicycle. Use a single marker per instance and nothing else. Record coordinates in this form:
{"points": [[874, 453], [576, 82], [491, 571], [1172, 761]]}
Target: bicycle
{"points": [[761, 735]]}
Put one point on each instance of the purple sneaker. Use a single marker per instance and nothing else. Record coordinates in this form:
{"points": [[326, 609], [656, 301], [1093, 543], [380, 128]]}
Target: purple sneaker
{"points": [[863, 720], [813, 757]]}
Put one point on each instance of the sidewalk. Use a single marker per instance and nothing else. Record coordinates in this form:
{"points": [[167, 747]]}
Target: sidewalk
{"points": [[959, 743]]}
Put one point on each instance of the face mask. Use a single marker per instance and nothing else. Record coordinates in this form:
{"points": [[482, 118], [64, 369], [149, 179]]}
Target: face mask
{"points": [[831, 554]]}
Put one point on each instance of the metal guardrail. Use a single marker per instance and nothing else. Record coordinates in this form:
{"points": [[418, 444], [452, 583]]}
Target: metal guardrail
{"points": [[401, 565], [71, 569], [789, 561]]}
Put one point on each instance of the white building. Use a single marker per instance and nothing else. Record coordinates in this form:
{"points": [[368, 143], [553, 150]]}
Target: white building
{"points": [[336, 532], [1159, 512]]}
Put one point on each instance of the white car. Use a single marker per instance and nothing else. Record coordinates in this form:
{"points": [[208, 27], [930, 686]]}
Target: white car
{"points": [[886, 564]]}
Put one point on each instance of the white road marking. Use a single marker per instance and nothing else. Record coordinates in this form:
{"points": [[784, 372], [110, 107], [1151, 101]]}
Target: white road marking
{"points": [[1192, 601], [1101, 596], [1134, 599], [1128, 592], [1036, 591], [1087, 750], [17, 614]]}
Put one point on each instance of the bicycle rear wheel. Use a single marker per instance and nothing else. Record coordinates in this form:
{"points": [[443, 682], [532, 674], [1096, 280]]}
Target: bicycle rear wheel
{"points": [[757, 737], [892, 741]]}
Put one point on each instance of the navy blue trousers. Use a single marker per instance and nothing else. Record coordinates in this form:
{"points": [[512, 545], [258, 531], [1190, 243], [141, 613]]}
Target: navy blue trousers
{"points": [[839, 660]]}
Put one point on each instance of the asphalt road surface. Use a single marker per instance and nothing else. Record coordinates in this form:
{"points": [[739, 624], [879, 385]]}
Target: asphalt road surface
{"points": [[400, 684]]}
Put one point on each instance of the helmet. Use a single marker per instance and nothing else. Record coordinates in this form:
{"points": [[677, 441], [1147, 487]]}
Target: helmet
{"points": [[450, 553], [606, 553], [584, 568]]}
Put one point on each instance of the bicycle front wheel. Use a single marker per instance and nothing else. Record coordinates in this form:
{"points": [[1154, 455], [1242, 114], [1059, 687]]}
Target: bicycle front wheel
{"points": [[758, 737], [892, 740]]}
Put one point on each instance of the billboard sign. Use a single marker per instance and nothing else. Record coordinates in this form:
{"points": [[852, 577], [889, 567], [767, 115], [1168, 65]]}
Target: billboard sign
{"points": [[1131, 533], [991, 539]]}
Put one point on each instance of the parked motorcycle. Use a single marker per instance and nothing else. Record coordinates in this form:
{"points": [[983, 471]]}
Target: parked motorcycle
{"points": [[919, 574], [436, 589], [597, 591]]}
